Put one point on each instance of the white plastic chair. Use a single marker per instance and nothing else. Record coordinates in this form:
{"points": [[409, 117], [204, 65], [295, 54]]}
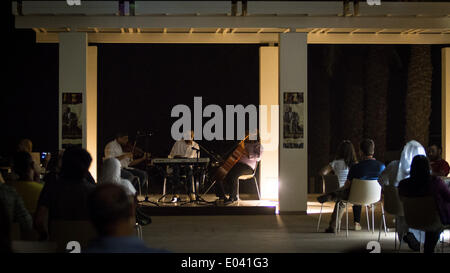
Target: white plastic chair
{"points": [[365, 193], [421, 213], [331, 183], [393, 206]]}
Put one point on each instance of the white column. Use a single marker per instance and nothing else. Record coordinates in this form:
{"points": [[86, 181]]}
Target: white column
{"points": [[268, 121], [293, 165], [91, 108], [446, 103], [78, 74]]}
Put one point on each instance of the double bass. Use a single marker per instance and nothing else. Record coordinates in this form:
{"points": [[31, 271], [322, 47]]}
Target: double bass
{"points": [[232, 159]]}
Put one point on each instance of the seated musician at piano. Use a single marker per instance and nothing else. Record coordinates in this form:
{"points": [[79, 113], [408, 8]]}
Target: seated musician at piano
{"points": [[114, 149], [246, 165], [184, 148]]}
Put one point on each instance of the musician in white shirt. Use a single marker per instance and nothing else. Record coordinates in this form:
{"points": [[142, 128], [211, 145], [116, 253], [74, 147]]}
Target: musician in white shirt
{"points": [[184, 148], [114, 149]]}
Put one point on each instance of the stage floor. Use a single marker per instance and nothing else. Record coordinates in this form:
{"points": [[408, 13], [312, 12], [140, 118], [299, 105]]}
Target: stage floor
{"points": [[207, 206]]}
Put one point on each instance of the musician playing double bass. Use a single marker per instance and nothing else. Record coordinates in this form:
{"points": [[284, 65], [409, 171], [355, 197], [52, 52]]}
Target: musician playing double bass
{"points": [[246, 165], [115, 149], [184, 148]]}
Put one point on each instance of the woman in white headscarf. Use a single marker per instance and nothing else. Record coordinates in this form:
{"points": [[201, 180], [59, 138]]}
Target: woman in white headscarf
{"points": [[395, 172], [111, 174], [398, 170]]}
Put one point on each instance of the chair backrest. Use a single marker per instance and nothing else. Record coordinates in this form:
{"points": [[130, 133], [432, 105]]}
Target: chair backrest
{"points": [[331, 182], [392, 202], [248, 176], [63, 232], [364, 192], [421, 213], [33, 247]]}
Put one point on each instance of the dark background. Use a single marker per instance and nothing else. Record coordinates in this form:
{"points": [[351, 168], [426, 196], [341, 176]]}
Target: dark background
{"points": [[138, 85]]}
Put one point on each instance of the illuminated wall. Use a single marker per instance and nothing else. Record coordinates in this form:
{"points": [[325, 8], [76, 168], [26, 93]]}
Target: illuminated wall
{"points": [[268, 120], [91, 108]]}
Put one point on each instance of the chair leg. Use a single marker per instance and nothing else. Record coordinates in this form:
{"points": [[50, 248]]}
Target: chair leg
{"points": [[139, 231], [384, 219], [346, 212], [320, 217], [257, 188], [395, 234], [140, 189], [337, 214], [373, 218], [239, 182], [379, 230], [368, 221], [164, 186]]}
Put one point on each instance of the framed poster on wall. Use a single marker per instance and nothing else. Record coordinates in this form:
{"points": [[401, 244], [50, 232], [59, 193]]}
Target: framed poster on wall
{"points": [[293, 120], [71, 120]]}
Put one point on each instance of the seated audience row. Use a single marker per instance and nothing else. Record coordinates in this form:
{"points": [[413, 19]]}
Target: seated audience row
{"points": [[69, 193], [346, 168]]}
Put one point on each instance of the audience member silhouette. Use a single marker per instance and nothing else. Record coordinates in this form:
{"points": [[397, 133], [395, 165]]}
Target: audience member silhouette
{"points": [[422, 183], [66, 199], [28, 189], [112, 213], [395, 172]]}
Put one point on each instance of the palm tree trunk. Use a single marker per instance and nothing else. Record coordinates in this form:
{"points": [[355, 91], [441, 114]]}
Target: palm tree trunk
{"points": [[319, 99], [352, 111], [377, 76], [418, 94]]}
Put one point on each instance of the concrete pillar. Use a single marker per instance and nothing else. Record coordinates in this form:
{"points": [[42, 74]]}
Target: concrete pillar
{"points": [[293, 162], [268, 121], [78, 77], [91, 108], [446, 103]]}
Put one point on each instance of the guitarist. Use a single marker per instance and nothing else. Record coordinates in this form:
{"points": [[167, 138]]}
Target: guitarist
{"points": [[246, 165]]}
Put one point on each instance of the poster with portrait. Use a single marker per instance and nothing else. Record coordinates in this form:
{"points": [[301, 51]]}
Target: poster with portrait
{"points": [[293, 120], [71, 121]]}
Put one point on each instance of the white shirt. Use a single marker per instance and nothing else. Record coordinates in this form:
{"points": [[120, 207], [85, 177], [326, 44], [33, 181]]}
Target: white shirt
{"points": [[113, 149], [341, 170], [389, 176], [182, 149]]}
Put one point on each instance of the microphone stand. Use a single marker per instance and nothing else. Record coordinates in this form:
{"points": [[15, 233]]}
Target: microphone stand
{"points": [[218, 158], [198, 198], [147, 200], [214, 156]]}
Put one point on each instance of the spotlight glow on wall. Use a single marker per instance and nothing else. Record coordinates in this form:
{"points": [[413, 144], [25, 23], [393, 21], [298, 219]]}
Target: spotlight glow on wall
{"points": [[269, 188]]}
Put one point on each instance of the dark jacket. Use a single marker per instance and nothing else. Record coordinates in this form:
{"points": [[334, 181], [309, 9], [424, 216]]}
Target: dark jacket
{"points": [[436, 188]]}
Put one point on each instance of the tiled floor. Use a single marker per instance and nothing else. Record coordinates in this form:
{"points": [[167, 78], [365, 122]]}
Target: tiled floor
{"points": [[263, 233]]}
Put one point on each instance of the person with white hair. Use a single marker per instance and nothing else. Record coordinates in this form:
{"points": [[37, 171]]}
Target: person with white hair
{"points": [[395, 172], [110, 173]]}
